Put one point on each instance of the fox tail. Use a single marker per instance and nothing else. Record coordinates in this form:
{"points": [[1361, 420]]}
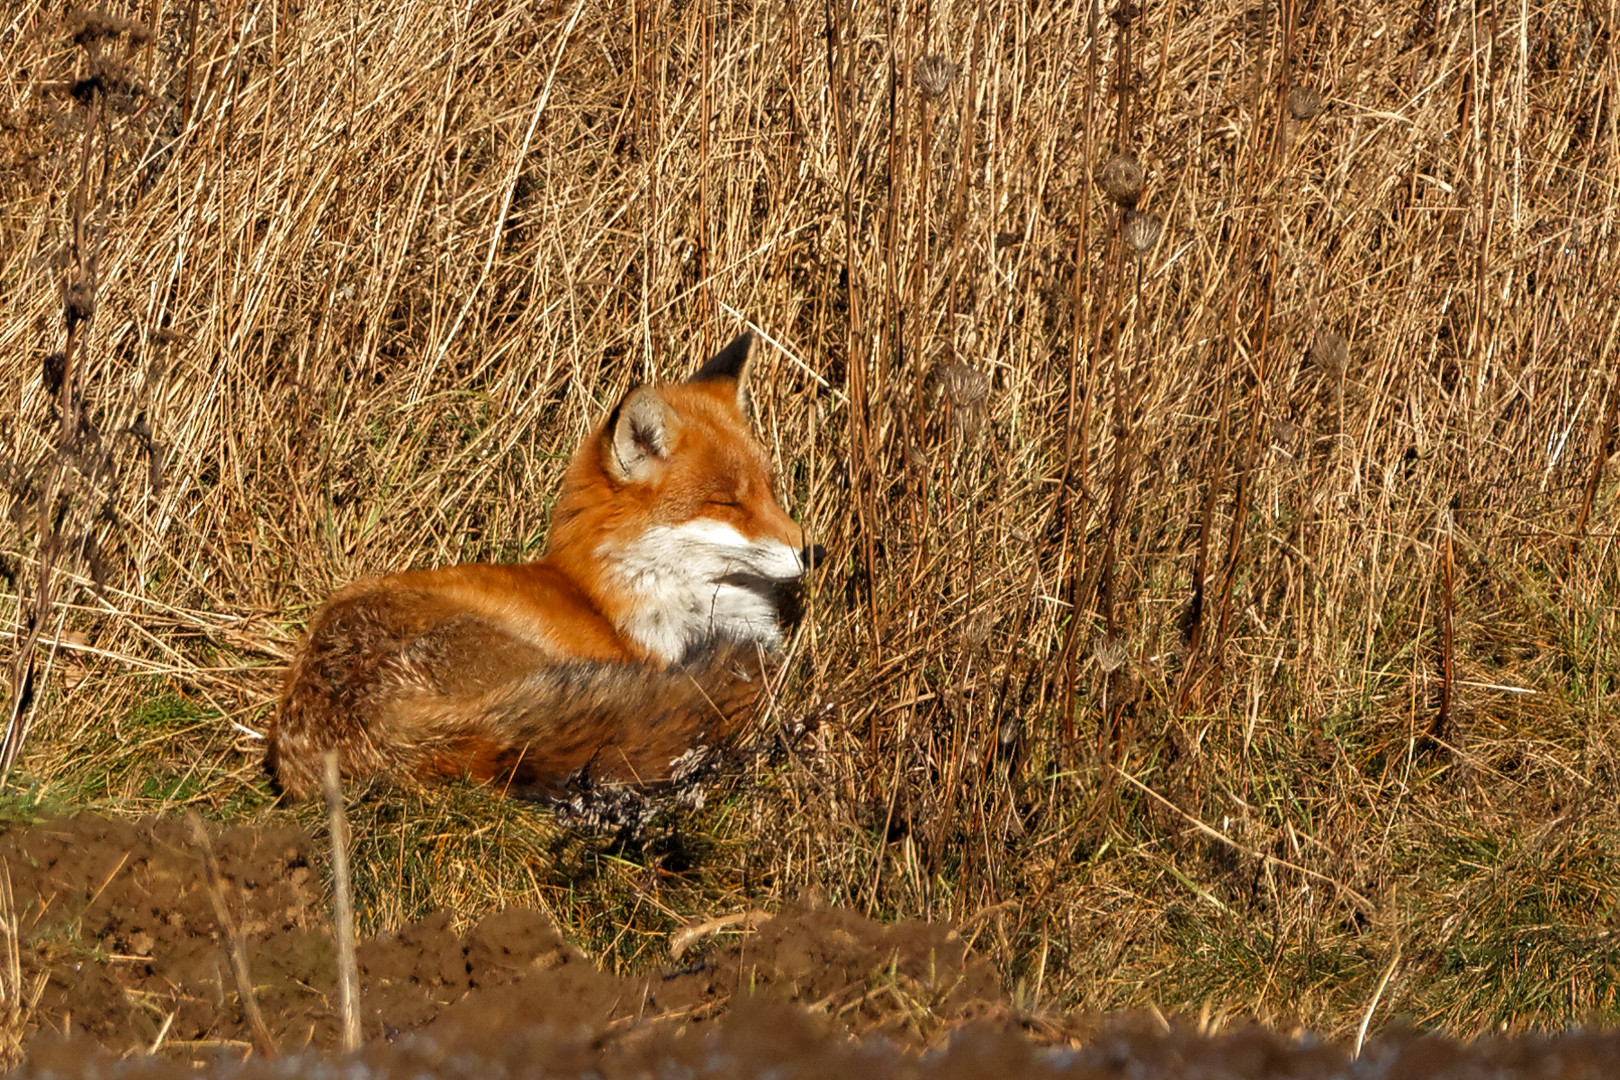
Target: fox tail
{"points": [[549, 734]]}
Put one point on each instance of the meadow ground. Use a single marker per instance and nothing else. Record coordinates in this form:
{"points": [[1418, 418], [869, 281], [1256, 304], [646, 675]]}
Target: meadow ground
{"points": [[127, 976], [1219, 616]]}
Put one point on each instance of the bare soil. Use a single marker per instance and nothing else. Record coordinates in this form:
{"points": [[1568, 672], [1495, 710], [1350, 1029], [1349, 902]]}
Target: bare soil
{"points": [[121, 964], [119, 943]]}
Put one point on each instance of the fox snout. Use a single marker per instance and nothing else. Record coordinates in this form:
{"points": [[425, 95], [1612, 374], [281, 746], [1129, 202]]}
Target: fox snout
{"points": [[787, 594]]}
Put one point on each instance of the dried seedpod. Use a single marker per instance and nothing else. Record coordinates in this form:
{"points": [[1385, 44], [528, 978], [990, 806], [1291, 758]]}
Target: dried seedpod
{"points": [[1121, 178], [976, 630], [1304, 102], [79, 303], [52, 371], [1284, 432], [1007, 739], [1142, 232], [935, 73], [1111, 654], [1331, 352], [964, 384], [967, 390]]}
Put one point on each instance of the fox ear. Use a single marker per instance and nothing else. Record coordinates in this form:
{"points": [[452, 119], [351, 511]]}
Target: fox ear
{"points": [[728, 363], [637, 432]]}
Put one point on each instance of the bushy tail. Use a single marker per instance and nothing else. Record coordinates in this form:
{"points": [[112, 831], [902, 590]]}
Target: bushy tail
{"points": [[538, 733], [606, 723]]}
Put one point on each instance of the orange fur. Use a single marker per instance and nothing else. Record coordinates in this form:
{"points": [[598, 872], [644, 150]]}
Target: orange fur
{"points": [[635, 639]]}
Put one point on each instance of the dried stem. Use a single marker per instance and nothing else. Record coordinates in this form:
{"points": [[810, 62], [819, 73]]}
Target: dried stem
{"points": [[236, 948], [343, 903]]}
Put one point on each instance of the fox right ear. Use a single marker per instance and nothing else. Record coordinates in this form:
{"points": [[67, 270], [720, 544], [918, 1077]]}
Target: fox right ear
{"points": [[728, 363], [637, 433], [726, 367]]}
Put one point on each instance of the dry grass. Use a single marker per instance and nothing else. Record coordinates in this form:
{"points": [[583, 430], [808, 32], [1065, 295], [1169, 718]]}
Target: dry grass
{"points": [[1209, 625]]}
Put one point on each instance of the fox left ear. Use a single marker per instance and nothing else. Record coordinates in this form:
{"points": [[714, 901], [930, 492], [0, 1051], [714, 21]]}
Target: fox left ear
{"points": [[729, 363], [638, 436]]}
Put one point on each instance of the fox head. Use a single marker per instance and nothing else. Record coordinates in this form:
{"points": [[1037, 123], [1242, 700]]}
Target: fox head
{"points": [[668, 516]]}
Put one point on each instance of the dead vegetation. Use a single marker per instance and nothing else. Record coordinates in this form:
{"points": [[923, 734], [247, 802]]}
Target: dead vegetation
{"points": [[1219, 614]]}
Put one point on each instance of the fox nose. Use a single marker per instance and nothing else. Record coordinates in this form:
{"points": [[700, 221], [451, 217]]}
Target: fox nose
{"points": [[813, 556]]}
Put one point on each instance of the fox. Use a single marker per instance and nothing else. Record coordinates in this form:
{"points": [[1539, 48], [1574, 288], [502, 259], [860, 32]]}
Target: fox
{"points": [[638, 638]]}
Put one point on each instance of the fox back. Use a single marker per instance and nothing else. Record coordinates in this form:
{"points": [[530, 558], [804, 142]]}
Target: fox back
{"points": [[638, 637]]}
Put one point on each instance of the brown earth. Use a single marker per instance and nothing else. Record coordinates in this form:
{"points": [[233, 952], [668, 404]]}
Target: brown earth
{"points": [[114, 950]]}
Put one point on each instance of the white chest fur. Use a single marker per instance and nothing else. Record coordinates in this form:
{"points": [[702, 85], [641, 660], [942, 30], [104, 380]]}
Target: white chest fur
{"points": [[702, 579]]}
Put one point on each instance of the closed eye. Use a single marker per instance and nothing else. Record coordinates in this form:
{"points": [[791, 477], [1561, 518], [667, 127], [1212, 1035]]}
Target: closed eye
{"points": [[730, 504]]}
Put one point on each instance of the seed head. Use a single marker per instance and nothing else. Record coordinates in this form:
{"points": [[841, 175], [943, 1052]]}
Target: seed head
{"points": [[79, 304], [967, 389], [1304, 102], [1121, 179], [85, 90], [52, 371], [964, 384], [1142, 232], [935, 74], [978, 628], [1284, 431], [1111, 654], [1331, 352]]}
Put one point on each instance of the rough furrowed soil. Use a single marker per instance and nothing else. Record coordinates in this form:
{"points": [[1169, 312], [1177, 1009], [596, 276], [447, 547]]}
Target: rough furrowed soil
{"points": [[115, 963]]}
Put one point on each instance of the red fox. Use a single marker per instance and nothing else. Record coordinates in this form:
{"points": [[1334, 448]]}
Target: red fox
{"points": [[636, 639]]}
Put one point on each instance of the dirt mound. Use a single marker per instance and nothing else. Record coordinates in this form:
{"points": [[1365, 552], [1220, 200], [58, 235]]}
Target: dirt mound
{"points": [[118, 941], [121, 966]]}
